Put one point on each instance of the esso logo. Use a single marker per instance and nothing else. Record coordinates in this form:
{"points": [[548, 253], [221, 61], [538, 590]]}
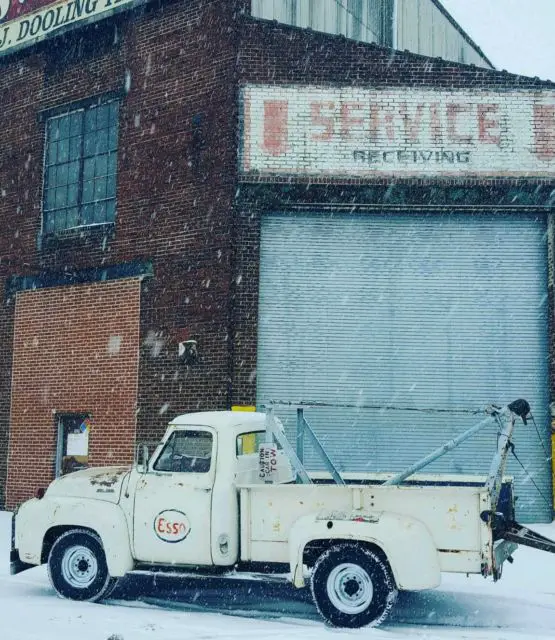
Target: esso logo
{"points": [[4, 8], [171, 526]]}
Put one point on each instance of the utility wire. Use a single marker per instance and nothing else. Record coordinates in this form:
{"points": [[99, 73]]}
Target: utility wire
{"points": [[549, 503], [548, 455]]}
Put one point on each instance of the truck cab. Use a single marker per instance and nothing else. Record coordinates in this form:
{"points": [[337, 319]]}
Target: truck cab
{"points": [[188, 492]]}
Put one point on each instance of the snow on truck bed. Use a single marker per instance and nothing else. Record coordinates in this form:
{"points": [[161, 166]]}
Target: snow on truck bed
{"points": [[520, 607]]}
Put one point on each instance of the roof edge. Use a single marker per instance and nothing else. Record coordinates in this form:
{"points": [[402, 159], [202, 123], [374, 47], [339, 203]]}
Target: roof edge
{"points": [[275, 26], [463, 33]]}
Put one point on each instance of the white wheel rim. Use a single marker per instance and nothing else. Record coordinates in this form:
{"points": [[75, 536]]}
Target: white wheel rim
{"points": [[79, 567], [350, 588]]}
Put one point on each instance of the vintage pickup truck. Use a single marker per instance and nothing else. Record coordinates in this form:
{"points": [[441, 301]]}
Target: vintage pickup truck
{"points": [[224, 491]]}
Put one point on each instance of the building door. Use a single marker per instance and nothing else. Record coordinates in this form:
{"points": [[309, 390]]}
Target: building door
{"points": [[399, 326], [72, 448]]}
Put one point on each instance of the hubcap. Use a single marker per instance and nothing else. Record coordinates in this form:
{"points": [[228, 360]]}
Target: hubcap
{"points": [[79, 567], [350, 588]]}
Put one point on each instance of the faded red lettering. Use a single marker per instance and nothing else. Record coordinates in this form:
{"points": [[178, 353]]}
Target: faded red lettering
{"points": [[349, 122], [321, 120], [436, 128], [375, 123], [544, 131], [275, 127], [160, 525], [453, 112], [486, 124], [413, 124]]}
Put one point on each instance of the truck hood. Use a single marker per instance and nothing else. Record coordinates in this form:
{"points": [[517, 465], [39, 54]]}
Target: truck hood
{"points": [[98, 483]]}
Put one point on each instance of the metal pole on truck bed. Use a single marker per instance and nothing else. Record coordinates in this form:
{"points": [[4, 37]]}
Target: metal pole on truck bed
{"points": [[273, 432], [452, 444]]}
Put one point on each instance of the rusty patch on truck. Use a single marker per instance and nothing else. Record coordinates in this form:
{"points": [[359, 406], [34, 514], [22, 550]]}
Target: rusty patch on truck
{"points": [[106, 479]]}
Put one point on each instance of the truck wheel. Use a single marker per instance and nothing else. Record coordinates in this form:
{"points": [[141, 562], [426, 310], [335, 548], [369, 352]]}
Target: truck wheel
{"points": [[77, 566], [352, 586]]}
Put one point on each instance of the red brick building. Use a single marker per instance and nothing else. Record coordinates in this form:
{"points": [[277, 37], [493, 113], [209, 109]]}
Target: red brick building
{"points": [[143, 158]]}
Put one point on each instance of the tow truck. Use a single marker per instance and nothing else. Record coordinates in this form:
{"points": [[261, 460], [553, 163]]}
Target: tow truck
{"points": [[225, 492]]}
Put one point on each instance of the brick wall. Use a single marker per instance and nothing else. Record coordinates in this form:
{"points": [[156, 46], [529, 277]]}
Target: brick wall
{"points": [[272, 53], [6, 333], [173, 66], [74, 351]]}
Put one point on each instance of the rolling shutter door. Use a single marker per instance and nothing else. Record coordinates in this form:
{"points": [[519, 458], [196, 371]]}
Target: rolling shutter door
{"points": [[400, 326]]}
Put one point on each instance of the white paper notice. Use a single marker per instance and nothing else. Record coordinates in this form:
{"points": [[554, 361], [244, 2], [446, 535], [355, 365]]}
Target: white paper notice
{"points": [[78, 444]]}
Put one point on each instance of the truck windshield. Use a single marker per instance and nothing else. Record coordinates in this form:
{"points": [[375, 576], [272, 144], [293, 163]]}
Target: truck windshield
{"points": [[186, 451]]}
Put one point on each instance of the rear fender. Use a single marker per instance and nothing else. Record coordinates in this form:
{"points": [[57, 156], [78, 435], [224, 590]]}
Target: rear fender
{"points": [[406, 542]]}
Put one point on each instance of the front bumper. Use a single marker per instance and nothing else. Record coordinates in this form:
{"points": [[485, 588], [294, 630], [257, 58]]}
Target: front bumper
{"points": [[16, 564]]}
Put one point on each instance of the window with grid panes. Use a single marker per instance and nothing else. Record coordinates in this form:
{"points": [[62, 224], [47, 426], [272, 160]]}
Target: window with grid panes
{"points": [[80, 168]]}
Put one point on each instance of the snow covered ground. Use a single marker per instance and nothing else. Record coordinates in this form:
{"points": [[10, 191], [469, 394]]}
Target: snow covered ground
{"points": [[520, 607]]}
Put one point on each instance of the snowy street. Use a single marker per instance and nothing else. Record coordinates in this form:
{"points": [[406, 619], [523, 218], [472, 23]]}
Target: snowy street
{"points": [[520, 607]]}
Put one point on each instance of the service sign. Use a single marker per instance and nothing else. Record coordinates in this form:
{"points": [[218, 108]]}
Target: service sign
{"points": [[25, 22], [365, 132]]}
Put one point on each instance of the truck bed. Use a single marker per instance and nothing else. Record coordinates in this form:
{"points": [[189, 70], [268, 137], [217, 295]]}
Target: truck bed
{"points": [[450, 513]]}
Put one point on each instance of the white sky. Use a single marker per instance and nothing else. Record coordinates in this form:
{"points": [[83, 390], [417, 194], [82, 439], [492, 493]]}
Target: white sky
{"points": [[517, 35]]}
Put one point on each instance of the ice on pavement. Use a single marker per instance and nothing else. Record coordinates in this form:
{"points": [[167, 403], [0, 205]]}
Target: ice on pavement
{"points": [[519, 607]]}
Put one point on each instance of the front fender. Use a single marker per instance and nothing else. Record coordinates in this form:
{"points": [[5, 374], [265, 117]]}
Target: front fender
{"points": [[406, 542], [36, 517]]}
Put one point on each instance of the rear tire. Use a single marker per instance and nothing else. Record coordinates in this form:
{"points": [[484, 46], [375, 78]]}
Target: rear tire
{"points": [[77, 567], [352, 586]]}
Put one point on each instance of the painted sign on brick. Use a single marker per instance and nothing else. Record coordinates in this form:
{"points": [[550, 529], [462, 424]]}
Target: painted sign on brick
{"points": [[412, 132], [25, 22]]}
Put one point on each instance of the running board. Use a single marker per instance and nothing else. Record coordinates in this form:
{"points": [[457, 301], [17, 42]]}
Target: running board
{"points": [[527, 538], [160, 572]]}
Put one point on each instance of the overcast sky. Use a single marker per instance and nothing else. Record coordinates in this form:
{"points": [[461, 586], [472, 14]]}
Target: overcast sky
{"points": [[517, 35]]}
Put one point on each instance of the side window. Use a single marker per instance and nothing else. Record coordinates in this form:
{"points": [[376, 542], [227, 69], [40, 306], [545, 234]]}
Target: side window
{"points": [[186, 452], [250, 442]]}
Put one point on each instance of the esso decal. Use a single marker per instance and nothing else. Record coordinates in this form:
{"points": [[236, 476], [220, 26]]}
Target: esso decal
{"points": [[171, 526]]}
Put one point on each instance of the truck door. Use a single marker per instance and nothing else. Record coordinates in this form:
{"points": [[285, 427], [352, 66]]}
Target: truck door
{"points": [[173, 501]]}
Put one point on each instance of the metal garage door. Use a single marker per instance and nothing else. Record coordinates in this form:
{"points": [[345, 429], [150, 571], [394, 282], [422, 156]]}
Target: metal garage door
{"points": [[400, 325]]}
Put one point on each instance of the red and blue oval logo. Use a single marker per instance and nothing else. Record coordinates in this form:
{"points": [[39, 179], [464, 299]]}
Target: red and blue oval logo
{"points": [[171, 525]]}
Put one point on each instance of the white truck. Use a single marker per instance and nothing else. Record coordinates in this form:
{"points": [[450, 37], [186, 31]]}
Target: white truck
{"points": [[224, 491]]}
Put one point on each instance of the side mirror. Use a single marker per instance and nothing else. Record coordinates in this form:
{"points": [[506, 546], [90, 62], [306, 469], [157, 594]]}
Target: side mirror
{"points": [[142, 458]]}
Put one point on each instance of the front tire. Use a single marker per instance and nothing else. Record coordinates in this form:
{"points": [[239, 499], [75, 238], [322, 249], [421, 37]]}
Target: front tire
{"points": [[77, 566], [352, 586]]}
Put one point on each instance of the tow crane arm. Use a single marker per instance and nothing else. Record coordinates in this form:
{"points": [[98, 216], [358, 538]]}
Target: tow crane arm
{"points": [[502, 528]]}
